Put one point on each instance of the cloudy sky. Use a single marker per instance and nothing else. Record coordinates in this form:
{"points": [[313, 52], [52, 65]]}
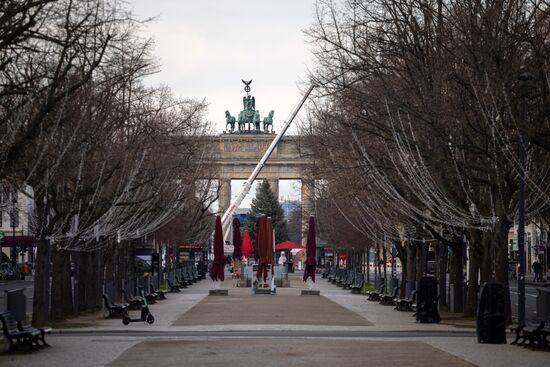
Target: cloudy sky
{"points": [[206, 47]]}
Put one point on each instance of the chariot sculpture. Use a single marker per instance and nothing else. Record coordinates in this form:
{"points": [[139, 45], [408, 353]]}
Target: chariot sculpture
{"points": [[249, 119]]}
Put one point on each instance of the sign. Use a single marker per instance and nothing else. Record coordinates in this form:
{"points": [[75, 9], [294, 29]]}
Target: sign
{"points": [[1, 235]]}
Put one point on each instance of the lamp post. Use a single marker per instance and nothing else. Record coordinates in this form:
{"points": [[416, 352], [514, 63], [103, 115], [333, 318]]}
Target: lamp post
{"points": [[523, 80], [14, 219]]}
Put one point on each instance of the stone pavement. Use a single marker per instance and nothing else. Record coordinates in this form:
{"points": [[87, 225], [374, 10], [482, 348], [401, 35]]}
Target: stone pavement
{"points": [[337, 328]]}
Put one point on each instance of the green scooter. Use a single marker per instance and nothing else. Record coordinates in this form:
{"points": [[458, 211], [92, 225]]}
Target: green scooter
{"points": [[145, 313]]}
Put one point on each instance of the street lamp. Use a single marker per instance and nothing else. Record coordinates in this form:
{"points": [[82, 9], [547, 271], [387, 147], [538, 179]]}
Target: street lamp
{"points": [[14, 223], [524, 77]]}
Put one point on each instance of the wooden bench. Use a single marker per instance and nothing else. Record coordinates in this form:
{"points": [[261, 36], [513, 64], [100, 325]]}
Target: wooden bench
{"points": [[40, 333], [149, 297], [358, 283], [336, 276], [406, 304], [388, 299], [174, 288], [341, 277], [134, 302], [12, 333], [325, 272], [332, 274], [349, 280], [115, 309], [181, 281], [528, 333], [159, 294], [375, 295]]}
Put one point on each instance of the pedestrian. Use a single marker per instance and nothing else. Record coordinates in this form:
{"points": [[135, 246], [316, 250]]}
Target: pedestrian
{"points": [[536, 269], [24, 270]]}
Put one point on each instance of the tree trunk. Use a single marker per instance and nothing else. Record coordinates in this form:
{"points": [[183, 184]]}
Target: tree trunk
{"points": [[456, 279], [61, 285], [83, 267], [41, 297], [402, 254], [411, 268]]}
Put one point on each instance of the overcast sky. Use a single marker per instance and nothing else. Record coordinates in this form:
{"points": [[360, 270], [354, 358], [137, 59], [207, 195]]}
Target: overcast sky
{"points": [[206, 47]]}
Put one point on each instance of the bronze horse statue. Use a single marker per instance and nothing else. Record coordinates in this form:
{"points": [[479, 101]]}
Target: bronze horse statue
{"points": [[268, 120], [230, 120]]}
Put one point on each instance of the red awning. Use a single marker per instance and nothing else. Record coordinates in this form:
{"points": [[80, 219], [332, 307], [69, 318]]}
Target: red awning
{"points": [[287, 245], [20, 241]]}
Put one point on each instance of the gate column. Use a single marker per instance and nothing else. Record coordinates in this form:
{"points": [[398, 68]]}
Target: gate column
{"points": [[307, 206], [274, 183], [224, 199]]}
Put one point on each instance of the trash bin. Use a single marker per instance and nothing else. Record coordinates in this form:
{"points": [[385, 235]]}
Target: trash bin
{"points": [[16, 302], [491, 314], [543, 305], [427, 305]]}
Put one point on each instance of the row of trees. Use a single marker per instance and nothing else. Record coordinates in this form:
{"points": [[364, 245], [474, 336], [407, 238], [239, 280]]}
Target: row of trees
{"points": [[416, 124], [105, 158]]}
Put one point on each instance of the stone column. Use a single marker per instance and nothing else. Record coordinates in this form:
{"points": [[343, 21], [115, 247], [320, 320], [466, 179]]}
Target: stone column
{"points": [[274, 183], [307, 207], [224, 199]]}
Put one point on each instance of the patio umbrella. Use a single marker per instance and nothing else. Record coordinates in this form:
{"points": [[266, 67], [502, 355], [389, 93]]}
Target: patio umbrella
{"points": [[287, 245], [310, 249], [237, 248], [216, 272], [247, 244]]}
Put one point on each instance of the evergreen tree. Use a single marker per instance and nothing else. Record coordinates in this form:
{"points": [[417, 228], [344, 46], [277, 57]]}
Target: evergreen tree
{"points": [[266, 203]]}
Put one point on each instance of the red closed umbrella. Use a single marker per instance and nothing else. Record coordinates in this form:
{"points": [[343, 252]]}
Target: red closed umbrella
{"points": [[264, 246], [237, 251], [216, 272], [311, 248], [247, 244]]}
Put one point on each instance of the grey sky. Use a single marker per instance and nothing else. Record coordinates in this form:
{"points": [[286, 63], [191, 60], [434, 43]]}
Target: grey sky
{"points": [[206, 47]]}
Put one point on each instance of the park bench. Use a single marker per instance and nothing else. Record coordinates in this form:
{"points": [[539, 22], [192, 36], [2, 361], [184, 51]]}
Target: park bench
{"points": [[337, 275], [375, 295], [332, 273], [174, 287], [149, 297], [188, 275], [115, 309], [406, 304], [358, 283], [388, 299], [134, 301], [39, 333], [325, 272], [527, 333], [12, 333], [532, 335], [349, 280], [343, 276], [181, 280], [159, 294]]}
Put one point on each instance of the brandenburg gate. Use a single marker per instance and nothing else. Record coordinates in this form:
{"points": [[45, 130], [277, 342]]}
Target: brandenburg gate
{"points": [[236, 152]]}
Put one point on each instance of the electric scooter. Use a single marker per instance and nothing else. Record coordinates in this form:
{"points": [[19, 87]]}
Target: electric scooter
{"points": [[145, 313]]}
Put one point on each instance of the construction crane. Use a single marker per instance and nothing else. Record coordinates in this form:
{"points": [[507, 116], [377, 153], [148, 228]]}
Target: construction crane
{"points": [[226, 218]]}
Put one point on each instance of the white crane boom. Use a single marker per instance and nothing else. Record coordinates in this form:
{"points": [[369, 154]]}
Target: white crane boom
{"points": [[226, 222]]}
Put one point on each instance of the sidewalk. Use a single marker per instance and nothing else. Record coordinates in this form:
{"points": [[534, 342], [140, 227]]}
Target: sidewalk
{"points": [[192, 328]]}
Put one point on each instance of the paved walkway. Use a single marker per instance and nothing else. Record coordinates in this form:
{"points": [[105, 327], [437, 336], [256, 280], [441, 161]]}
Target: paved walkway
{"points": [[337, 328]]}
